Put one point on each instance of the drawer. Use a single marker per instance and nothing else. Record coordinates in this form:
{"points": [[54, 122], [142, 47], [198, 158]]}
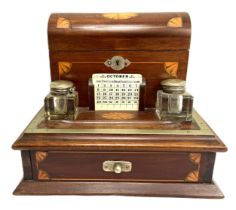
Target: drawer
{"points": [[123, 166]]}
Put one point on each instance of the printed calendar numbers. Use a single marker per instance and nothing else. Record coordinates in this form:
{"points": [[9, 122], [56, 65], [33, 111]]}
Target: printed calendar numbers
{"points": [[116, 91]]}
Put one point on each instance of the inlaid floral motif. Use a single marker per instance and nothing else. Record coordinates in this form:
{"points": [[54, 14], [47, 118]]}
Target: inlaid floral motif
{"points": [[63, 23], [119, 16], [195, 158], [43, 175], [39, 157], [118, 116], [193, 176], [171, 68], [175, 22], [64, 67]]}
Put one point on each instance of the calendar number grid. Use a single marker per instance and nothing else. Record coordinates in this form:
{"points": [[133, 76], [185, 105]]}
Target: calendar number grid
{"points": [[117, 93]]}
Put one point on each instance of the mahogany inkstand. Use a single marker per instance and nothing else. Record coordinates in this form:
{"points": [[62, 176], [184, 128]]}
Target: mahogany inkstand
{"points": [[122, 148]]}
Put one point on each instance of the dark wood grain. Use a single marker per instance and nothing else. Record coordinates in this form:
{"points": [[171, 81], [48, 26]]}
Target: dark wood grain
{"points": [[99, 142], [150, 64], [146, 167], [121, 141], [91, 104], [119, 188], [142, 95], [207, 167], [148, 31], [26, 162]]}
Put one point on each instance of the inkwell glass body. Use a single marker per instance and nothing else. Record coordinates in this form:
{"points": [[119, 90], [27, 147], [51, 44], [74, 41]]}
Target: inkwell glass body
{"points": [[62, 101], [173, 103]]}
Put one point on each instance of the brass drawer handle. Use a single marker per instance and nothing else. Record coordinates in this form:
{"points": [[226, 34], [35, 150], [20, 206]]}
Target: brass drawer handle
{"points": [[116, 166]]}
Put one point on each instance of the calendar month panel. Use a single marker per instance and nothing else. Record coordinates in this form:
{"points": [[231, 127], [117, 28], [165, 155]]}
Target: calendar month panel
{"points": [[116, 91]]}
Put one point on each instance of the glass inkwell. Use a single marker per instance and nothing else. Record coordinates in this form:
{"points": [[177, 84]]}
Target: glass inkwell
{"points": [[173, 103], [62, 101]]}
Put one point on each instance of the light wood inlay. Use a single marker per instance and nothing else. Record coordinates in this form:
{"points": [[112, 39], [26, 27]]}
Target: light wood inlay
{"points": [[64, 67], [118, 116], [63, 23], [195, 158], [193, 176], [43, 175], [39, 157], [119, 16], [171, 68], [175, 22]]}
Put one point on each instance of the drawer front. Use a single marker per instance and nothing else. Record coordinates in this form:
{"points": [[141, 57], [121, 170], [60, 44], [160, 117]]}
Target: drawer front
{"points": [[122, 166]]}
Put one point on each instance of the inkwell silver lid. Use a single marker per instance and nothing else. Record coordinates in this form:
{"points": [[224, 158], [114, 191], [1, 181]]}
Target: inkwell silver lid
{"points": [[61, 86], [173, 85]]}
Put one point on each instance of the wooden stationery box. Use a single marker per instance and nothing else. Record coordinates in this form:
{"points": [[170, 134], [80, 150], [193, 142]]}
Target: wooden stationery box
{"points": [[118, 152], [154, 44]]}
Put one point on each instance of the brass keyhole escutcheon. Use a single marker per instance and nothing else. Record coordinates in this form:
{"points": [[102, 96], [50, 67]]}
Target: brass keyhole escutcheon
{"points": [[117, 63]]}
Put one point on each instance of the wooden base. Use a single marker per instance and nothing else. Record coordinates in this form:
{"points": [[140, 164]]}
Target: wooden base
{"points": [[204, 190]]}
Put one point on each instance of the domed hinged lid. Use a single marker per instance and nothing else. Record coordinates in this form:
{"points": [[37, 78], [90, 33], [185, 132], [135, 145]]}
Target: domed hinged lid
{"points": [[119, 31]]}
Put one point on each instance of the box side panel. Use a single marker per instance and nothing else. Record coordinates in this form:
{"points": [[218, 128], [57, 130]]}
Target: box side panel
{"points": [[27, 165], [207, 167]]}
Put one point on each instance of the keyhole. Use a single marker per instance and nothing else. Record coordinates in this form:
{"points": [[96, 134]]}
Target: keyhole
{"points": [[117, 62]]}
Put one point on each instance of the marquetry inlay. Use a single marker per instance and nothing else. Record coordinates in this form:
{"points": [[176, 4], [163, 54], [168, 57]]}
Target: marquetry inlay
{"points": [[193, 176], [171, 68], [39, 157], [176, 22], [118, 116], [64, 67], [63, 23], [43, 175], [119, 16], [195, 158]]}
